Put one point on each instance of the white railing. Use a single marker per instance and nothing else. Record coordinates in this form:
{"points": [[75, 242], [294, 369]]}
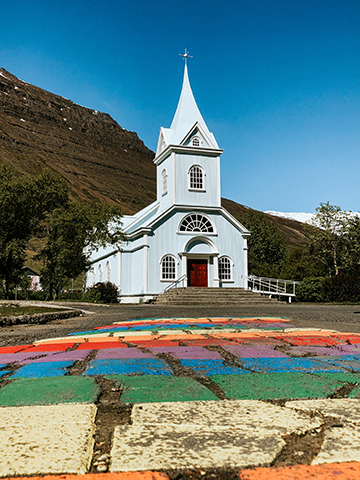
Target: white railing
{"points": [[272, 286], [175, 284]]}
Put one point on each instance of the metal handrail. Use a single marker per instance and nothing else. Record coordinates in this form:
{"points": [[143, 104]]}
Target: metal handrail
{"points": [[175, 284], [271, 286]]}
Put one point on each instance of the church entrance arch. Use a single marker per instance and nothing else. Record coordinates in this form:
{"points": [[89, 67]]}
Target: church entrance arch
{"points": [[200, 262]]}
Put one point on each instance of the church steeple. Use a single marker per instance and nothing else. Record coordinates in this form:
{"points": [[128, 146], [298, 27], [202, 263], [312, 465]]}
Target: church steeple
{"points": [[187, 157], [187, 118], [187, 114]]}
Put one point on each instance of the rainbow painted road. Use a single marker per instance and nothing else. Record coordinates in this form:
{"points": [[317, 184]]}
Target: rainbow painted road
{"points": [[187, 359], [192, 391]]}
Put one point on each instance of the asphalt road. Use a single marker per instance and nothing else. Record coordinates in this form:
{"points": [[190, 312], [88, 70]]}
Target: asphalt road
{"points": [[343, 318]]}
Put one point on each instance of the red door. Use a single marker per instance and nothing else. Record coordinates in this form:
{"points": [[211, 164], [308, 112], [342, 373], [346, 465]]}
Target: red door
{"points": [[197, 273]]}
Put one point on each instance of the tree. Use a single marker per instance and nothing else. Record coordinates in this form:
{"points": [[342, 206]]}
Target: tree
{"points": [[266, 244], [24, 204], [299, 264], [352, 246], [74, 231], [328, 233]]}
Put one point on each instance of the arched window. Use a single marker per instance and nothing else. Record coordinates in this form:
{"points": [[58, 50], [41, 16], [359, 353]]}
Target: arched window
{"points": [[100, 273], [92, 271], [195, 142], [168, 268], [108, 271], [196, 222], [196, 175], [164, 181], [225, 268]]}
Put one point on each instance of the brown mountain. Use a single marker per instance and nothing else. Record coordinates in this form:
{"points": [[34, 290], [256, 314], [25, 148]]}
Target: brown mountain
{"points": [[100, 159]]}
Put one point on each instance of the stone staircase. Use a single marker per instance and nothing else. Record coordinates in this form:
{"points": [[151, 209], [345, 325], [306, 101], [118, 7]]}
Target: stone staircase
{"points": [[211, 296]]}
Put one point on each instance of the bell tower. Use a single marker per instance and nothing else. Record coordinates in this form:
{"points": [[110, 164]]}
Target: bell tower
{"points": [[187, 157]]}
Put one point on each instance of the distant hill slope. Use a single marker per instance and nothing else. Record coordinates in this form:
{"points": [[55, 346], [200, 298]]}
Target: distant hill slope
{"points": [[99, 158], [293, 231]]}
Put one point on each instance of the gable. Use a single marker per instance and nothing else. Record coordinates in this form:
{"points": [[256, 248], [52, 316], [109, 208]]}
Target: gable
{"points": [[158, 219], [196, 137], [163, 141]]}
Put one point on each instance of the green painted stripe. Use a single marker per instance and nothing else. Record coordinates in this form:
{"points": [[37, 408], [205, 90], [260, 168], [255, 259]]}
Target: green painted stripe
{"points": [[49, 390], [267, 386], [151, 388]]}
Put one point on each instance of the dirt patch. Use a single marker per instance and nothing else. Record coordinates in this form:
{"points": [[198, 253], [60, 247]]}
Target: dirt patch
{"points": [[301, 449], [229, 358], [5, 379], [344, 390], [110, 413], [79, 366], [38, 318]]}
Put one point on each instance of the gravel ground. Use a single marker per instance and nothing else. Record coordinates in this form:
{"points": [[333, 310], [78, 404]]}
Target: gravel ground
{"points": [[344, 318]]}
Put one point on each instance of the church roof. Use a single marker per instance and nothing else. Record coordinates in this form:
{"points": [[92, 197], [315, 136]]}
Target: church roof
{"points": [[186, 116]]}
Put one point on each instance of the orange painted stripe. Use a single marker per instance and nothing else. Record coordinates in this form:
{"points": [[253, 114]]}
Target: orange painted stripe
{"points": [[182, 336], [329, 471], [143, 338], [311, 333], [219, 319], [239, 335], [100, 345], [101, 476], [260, 319], [102, 339]]}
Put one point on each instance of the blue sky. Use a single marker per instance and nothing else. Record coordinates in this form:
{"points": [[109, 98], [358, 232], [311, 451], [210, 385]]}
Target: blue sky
{"points": [[277, 82]]}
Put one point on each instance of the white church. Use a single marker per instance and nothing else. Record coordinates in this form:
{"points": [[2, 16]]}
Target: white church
{"points": [[185, 235]]}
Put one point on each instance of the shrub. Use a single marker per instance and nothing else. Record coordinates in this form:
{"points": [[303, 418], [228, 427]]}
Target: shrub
{"points": [[342, 288], [102, 293], [41, 295], [310, 290], [75, 296]]}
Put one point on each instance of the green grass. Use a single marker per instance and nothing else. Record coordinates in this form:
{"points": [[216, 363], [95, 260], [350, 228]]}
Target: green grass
{"points": [[11, 311]]}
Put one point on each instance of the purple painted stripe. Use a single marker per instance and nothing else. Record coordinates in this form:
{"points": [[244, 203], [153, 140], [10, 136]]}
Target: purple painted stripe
{"points": [[19, 357], [348, 349], [254, 351], [317, 351], [114, 353], [188, 352], [73, 355]]}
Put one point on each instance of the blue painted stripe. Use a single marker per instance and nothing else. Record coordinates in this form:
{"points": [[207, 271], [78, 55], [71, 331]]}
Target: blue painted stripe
{"points": [[348, 362], [280, 365], [212, 367], [45, 369], [128, 367]]}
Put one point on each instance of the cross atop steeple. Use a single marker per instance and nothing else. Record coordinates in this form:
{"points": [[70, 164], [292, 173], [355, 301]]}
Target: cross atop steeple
{"points": [[185, 55]]}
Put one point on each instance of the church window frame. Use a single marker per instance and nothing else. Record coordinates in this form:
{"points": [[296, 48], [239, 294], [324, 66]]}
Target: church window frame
{"points": [[108, 271], [196, 222], [168, 268], [93, 277], [100, 270], [195, 142], [164, 182], [196, 178], [225, 269]]}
